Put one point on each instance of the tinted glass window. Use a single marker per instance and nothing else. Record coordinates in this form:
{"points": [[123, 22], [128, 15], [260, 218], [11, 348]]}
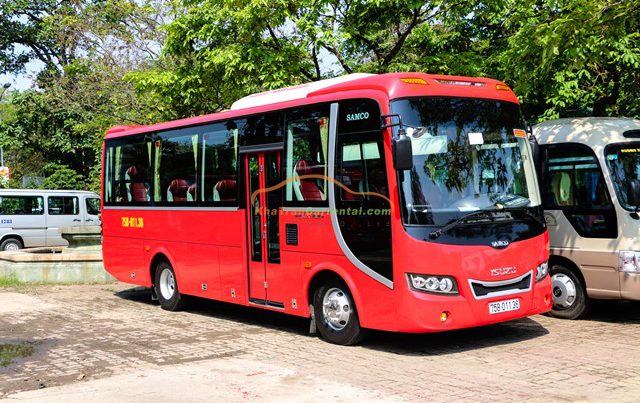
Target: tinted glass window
{"points": [[176, 167], [93, 206], [261, 129], [573, 182], [306, 161], [21, 205], [219, 184], [358, 115], [128, 173], [623, 161], [63, 205]]}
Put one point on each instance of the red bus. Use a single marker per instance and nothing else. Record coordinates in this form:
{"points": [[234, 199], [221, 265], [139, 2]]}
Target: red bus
{"points": [[403, 202]]}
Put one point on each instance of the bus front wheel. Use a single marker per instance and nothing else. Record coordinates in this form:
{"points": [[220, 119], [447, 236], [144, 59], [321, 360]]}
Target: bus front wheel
{"points": [[166, 288], [336, 315], [570, 300]]}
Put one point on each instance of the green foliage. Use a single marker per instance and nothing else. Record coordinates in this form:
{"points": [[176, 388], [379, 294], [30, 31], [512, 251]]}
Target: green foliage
{"points": [[61, 177]]}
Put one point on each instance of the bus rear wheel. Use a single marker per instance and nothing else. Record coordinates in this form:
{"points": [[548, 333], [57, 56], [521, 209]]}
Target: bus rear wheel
{"points": [[570, 300], [166, 288], [336, 315], [11, 244]]}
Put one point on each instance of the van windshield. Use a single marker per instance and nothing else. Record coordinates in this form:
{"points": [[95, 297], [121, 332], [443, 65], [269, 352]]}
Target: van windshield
{"points": [[623, 161]]}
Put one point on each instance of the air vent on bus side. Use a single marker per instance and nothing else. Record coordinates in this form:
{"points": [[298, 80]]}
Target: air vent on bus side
{"points": [[292, 234]]}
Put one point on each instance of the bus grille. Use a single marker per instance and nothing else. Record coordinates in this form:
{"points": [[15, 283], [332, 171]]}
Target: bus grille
{"points": [[489, 289]]}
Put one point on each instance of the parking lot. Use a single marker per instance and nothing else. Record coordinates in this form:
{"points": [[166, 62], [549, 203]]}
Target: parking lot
{"points": [[111, 342]]}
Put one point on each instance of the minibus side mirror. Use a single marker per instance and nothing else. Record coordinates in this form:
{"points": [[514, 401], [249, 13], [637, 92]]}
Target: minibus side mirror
{"points": [[633, 193], [402, 152]]}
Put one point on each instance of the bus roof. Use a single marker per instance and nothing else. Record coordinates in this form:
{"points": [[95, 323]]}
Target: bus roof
{"points": [[596, 132], [392, 85]]}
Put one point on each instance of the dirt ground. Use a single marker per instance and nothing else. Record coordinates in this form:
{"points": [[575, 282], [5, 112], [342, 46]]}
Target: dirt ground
{"points": [[112, 343]]}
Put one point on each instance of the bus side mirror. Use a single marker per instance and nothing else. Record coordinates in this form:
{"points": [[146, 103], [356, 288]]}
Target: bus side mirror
{"points": [[633, 193], [402, 152]]}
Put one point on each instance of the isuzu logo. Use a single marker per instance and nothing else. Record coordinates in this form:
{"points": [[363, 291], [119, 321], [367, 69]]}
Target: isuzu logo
{"points": [[500, 244], [503, 271]]}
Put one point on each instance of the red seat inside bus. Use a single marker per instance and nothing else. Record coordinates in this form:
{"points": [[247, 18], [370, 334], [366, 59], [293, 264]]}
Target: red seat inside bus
{"points": [[225, 190], [178, 189], [309, 186], [192, 191], [137, 187]]}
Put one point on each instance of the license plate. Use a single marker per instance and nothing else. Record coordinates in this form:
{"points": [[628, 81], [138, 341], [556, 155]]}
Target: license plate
{"points": [[504, 306]]}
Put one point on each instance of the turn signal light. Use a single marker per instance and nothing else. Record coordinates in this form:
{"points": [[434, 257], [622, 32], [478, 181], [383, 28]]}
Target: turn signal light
{"points": [[444, 316], [502, 87], [413, 80]]}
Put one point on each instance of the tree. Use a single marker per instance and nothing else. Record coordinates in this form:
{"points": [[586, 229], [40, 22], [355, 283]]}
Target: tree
{"points": [[575, 57]]}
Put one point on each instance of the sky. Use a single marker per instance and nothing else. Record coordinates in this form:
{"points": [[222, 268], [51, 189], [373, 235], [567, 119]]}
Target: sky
{"points": [[22, 81]]}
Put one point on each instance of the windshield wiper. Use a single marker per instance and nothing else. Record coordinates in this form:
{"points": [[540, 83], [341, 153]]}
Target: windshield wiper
{"points": [[437, 233]]}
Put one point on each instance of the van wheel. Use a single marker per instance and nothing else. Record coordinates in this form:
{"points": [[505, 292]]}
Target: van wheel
{"points": [[166, 288], [336, 314], [11, 244], [570, 299]]}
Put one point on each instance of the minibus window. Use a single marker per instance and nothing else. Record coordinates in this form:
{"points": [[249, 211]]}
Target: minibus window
{"points": [[63, 205], [21, 205], [573, 182], [623, 161]]}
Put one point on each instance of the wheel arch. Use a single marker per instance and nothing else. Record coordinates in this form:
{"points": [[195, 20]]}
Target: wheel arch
{"points": [[326, 272], [569, 264], [159, 256]]}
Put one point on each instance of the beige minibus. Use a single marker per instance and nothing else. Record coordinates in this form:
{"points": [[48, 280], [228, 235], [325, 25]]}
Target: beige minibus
{"points": [[590, 184]]}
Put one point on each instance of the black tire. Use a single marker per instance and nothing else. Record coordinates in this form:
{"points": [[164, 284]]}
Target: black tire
{"points": [[170, 301], [11, 244], [581, 303], [345, 334]]}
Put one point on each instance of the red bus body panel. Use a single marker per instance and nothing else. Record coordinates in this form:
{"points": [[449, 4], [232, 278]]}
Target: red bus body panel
{"points": [[211, 247]]}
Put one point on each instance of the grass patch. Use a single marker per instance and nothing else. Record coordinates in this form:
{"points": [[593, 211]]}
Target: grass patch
{"points": [[10, 281], [9, 352]]}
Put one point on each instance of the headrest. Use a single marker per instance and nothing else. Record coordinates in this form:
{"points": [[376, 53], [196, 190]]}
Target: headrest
{"points": [[178, 187]]}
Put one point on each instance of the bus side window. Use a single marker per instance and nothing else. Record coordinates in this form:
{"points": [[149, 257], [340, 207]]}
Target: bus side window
{"points": [[128, 171], [573, 183], [219, 182], [307, 134]]}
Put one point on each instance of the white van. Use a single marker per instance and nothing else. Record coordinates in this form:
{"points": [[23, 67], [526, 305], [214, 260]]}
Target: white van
{"points": [[590, 184], [31, 218]]}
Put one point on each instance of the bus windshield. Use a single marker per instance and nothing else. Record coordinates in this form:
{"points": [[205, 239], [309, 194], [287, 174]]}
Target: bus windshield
{"points": [[472, 155], [624, 165]]}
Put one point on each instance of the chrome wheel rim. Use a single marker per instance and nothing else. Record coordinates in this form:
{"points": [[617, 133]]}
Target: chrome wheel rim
{"points": [[11, 247], [564, 291], [336, 309], [167, 284]]}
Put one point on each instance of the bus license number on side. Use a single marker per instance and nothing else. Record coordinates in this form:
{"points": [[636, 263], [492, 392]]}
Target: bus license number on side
{"points": [[504, 306]]}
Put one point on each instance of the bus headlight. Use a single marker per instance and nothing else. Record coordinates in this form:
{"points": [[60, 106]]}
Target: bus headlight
{"points": [[629, 261], [542, 271], [434, 284]]}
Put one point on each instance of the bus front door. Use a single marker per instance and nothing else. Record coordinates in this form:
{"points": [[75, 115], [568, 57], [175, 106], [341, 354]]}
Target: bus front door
{"points": [[264, 199]]}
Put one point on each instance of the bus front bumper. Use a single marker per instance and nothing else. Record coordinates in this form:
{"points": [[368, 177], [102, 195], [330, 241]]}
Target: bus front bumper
{"points": [[424, 313]]}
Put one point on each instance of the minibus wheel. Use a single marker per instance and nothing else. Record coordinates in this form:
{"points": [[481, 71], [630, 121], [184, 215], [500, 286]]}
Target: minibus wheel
{"points": [[166, 288], [336, 314], [11, 244], [570, 300]]}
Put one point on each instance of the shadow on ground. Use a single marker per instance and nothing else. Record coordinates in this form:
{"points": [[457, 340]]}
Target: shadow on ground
{"points": [[400, 343], [615, 312]]}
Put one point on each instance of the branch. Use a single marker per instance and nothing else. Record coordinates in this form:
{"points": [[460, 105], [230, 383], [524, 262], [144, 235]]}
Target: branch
{"points": [[338, 56]]}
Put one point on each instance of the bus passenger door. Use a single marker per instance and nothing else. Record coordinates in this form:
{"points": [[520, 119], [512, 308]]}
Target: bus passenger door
{"points": [[263, 172]]}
